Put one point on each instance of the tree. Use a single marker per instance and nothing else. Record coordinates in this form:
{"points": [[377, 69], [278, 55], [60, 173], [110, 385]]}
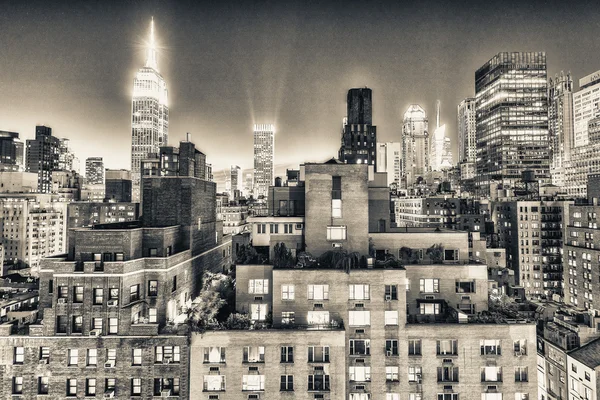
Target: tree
{"points": [[282, 257], [203, 313], [436, 253], [247, 254]]}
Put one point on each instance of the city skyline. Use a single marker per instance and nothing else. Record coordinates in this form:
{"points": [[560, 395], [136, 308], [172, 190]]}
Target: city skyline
{"points": [[279, 74]]}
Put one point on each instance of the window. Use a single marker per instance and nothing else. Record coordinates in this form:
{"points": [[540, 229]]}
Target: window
{"points": [[318, 292], [253, 354], [19, 355], [391, 292], [77, 294], [152, 315], [415, 396], [491, 396], [336, 208], [318, 353], [77, 326], [17, 385], [90, 387], [391, 347], [113, 326], [258, 312], [336, 187], [214, 354], [490, 347], [153, 288], [113, 294], [359, 318], [111, 355], [63, 292], [336, 233], [44, 353], [391, 374], [73, 357], [491, 374], [429, 285], [288, 317], [448, 347], [465, 287], [520, 347], [287, 354], [521, 374], [286, 383], [258, 286], [360, 374], [391, 317], [360, 347], [72, 387], [253, 382], [360, 396], [50, 286], [359, 292], [429, 308], [274, 228], [134, 293], [447, 396], [414, 347], [261, 228], [43, 384], [415, 374], [110, 384], [136, 357], [92, 357], [174, 284], [214, 383], [166, 386], [318, 382], [136, 386], [98, 296], [447, 373], [61, 324], [167, 354], [287, 292]]}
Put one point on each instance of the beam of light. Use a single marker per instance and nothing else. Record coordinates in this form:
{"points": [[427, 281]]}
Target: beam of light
{"points": [[151, 59]]}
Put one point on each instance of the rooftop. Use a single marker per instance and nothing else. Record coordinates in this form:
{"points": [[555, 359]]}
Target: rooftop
{"points": [[588, 354]]}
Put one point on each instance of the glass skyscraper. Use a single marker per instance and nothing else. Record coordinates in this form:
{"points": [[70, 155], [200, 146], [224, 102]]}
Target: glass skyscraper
{"points": [[512, 119], [264, 158], [149, 115]]}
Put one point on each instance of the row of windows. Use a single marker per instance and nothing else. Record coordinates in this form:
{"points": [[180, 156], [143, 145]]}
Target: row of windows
{"points": [[161, 387], [162, 354], [112, 294]]}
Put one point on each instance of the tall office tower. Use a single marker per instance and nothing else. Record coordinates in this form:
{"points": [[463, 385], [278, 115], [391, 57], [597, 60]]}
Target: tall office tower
{"points": [[512, 119], [264, 158], [389, 159], [585, 106], [236, 179], [94, 171], [560, 124], [42, 157], [149, 114], [359, 136], [467, 150], [11, 152], [438, 144], [66, 157], [415, 144]]}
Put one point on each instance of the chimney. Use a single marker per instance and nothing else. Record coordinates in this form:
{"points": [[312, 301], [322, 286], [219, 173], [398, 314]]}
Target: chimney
{"points": [[188, 137]]}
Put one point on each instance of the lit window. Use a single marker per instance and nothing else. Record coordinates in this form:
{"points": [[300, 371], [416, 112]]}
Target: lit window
{"points": [[258, 286], [336, 233]]}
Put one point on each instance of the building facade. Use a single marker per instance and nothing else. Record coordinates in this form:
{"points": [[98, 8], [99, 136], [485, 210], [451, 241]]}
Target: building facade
{"points": [[511, 122], [264, 158], [467, 149], [94, 171], [117, 185], [11, 152], [149, 114], [359, 135], [389, 159], [585, 107]]}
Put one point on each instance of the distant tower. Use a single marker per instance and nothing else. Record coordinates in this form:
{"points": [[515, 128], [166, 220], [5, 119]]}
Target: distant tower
{"points": [[42, 157], [264, 158], [560, 125], [149, 114], [467, 150], [438, 141], [359, 136], [94, 171], [415, 144]]}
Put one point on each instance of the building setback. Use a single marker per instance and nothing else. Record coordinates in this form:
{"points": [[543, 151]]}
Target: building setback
{"points": [[512, 119]]}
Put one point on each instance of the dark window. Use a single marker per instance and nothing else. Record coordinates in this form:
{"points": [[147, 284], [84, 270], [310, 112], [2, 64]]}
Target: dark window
{"points": [[51, 286], [152, 288], [391, 292], [174, 288], [61, 324], [336, 187], [287, 383], [318, 382], [391, 347]]}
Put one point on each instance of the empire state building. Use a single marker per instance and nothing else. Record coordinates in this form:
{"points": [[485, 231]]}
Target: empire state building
{"points": [[149, 114]]}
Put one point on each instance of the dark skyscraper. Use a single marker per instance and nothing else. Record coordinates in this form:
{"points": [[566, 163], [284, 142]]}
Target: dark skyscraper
{"points": [[359, 136], [42, 157], [512, 119], [11, 151]]}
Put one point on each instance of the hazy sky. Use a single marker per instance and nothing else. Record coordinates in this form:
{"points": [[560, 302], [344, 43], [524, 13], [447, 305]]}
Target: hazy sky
{"points": [[70, 65]]}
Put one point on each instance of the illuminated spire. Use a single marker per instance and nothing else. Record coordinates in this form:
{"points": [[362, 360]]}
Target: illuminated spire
{"points": [[151, 60]]}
